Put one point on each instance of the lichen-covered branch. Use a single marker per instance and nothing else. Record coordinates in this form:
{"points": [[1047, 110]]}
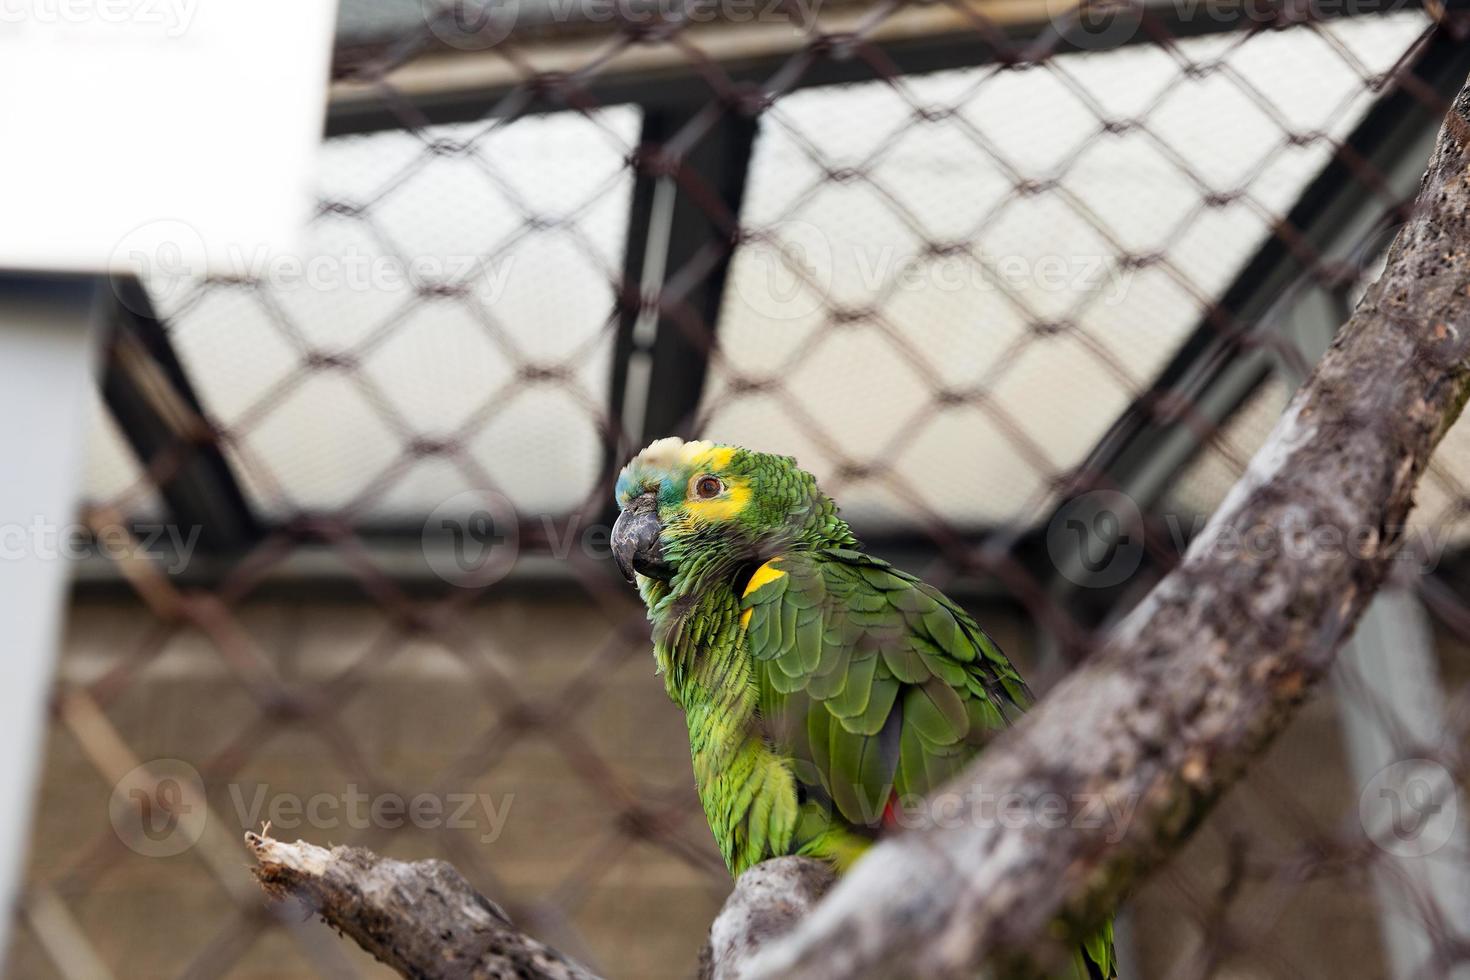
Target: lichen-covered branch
{"points": [[420, 918], [1111, 771]]}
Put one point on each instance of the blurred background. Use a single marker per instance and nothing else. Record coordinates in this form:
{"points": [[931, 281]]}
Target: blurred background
{"points": [[1024, 284]]}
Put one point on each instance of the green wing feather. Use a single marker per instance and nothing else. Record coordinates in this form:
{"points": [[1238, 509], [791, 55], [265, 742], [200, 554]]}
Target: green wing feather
{"points": [[876, 685], [899, 684]]}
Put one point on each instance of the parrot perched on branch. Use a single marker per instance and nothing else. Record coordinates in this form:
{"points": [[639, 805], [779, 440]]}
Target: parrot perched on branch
{"points": [[824, 689]]}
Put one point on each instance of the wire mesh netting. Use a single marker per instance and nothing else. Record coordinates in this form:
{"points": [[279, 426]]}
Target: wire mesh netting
{"points": [[1024, 286]]}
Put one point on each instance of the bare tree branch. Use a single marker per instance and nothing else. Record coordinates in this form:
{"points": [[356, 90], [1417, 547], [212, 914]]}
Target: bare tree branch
{"points": [[1203, 673], [768, 901], [425, 921], [421, 918]]}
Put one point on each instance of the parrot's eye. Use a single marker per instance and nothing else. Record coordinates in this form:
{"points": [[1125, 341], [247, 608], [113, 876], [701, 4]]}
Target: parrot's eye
{"points": [[708, 486]]}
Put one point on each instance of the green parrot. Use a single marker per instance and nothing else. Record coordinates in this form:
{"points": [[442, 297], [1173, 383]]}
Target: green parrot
{"points": [[823, 688]]}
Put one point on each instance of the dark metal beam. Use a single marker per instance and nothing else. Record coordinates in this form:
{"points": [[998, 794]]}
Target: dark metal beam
{"points": [[707, 183], [148, 392], [787, 62], [314, 566], [644, 255], [681, 235]]}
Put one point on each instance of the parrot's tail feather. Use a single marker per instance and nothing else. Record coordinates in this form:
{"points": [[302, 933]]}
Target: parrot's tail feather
{"points": [[1096, 956]]}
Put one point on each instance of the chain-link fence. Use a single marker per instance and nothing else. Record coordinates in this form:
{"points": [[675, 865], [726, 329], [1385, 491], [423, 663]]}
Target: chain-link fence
{"points": [[1024, 284]]}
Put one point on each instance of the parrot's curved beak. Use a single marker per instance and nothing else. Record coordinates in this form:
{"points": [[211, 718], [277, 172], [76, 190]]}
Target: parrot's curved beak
{"points": [[635, 540]]}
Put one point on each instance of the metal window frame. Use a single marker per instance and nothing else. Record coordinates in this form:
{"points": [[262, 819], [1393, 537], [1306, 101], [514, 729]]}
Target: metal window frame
{"points": [[147, 389]]}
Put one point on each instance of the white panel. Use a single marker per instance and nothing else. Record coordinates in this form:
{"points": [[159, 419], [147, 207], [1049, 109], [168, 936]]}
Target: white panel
{"points": [[45, 349], [148, 127]]}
